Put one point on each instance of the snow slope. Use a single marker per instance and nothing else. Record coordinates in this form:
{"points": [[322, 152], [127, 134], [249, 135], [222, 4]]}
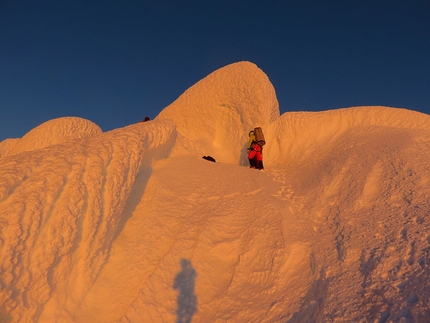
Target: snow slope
{"points": [[132, 225]]}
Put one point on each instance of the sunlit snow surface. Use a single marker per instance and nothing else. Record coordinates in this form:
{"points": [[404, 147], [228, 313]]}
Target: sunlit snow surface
{"points": [[132, 225]]}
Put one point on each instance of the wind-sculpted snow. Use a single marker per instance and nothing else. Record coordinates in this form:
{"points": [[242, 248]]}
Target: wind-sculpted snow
{"points": [[297, 136], [369, 192], [134, 226], [54, 132], [61, 209], [6, 146], [216, 114]]}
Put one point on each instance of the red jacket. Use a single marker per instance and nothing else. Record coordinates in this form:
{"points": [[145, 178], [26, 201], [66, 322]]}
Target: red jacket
{"points": [[255, 152]]}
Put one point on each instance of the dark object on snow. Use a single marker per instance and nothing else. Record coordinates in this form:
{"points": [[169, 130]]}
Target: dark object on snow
{"points": [[210, 158], [146, 119]]}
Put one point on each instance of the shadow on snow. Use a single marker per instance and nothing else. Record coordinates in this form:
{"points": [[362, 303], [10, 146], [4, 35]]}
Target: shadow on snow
{"points": [[187, 300]]}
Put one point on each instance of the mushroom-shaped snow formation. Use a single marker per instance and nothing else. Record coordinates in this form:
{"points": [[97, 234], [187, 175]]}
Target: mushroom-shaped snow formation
{"points": [[55, 131], [215, 115]]}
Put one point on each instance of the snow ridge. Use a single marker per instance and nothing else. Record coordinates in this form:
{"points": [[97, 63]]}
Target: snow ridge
{"points": [[296, 136], [63, 206]]}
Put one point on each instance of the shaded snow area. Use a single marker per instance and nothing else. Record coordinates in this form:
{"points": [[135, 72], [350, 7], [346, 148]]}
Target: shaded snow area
{"points": [[132, 225]]}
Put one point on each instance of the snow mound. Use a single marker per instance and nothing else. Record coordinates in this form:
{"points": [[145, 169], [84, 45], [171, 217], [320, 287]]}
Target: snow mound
{"points": [[297, 136], [53, 132], [7, 145], [215, 115]]}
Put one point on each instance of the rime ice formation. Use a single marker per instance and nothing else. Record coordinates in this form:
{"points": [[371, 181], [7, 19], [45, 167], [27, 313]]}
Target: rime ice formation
{"points": [[6, 145], [54, 132], [62, 208], [297, 136], [216, 114], [132, 225]]}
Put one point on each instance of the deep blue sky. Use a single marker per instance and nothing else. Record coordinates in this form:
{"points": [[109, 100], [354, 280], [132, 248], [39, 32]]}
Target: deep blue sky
{"points": [[115, 62]]}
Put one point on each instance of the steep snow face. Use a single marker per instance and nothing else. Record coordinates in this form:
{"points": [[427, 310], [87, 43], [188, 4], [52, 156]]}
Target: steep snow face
{"points": [[62, 207], [366, 198], [215, 115], [54, 132]]}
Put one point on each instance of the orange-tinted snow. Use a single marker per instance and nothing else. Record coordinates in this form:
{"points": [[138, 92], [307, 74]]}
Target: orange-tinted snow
{"points": [[132, 225]]}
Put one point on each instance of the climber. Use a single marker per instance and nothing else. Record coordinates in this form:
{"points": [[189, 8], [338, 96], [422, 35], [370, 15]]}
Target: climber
{"points": [[255, 152]]}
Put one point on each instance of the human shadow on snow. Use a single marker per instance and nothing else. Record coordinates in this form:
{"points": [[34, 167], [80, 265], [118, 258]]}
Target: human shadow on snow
{"points": [[187, 299]]}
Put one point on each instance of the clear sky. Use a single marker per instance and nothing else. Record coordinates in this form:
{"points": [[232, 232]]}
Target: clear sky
{"points": [[115, 62]]}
